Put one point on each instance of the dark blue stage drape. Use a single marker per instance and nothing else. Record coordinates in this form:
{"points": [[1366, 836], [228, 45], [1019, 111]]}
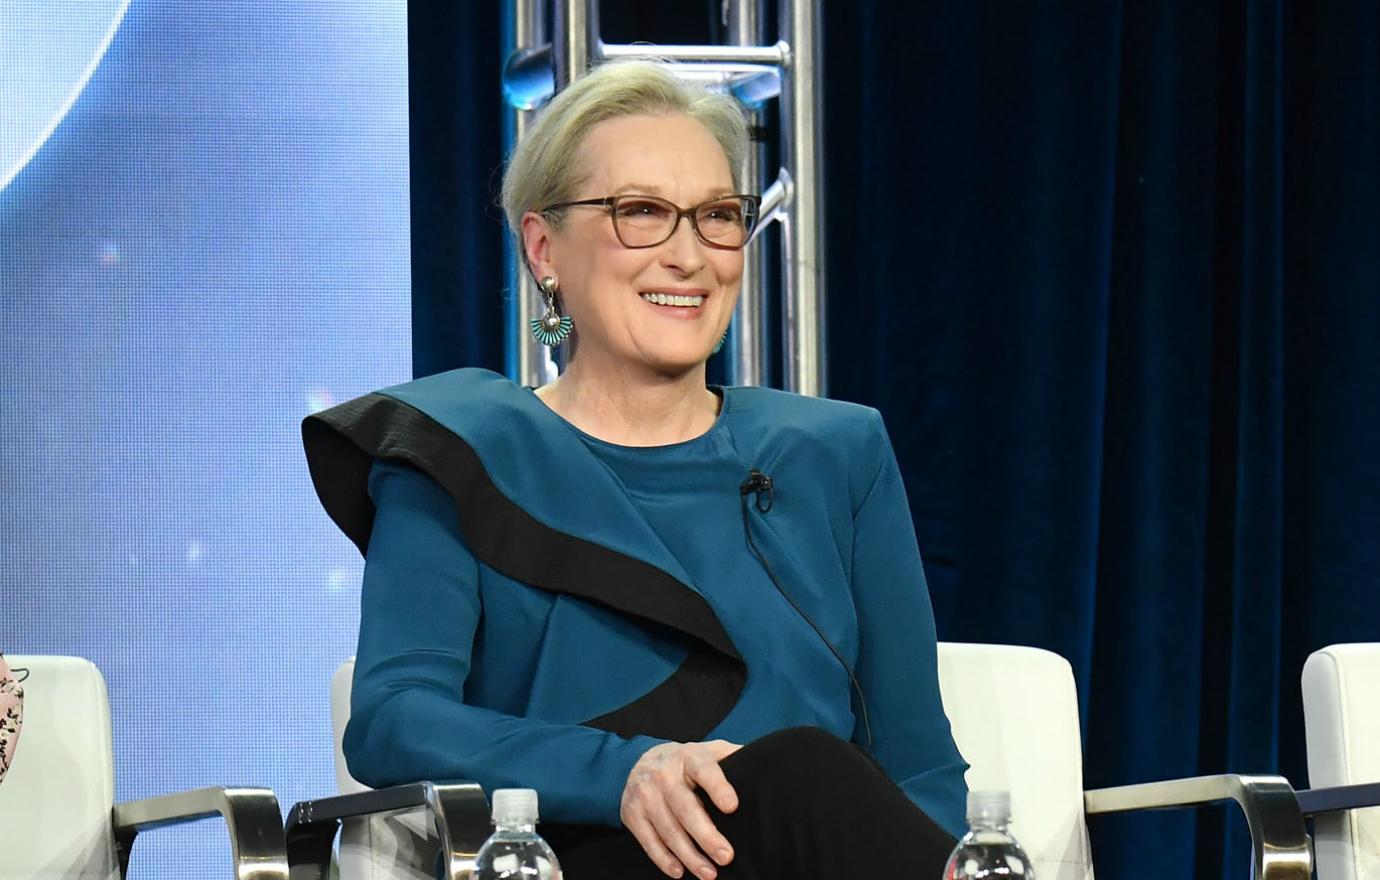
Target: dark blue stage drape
{"points": [[1111, 274]]}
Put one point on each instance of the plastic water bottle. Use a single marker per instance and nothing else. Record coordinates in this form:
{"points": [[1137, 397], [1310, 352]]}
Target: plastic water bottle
{"points": [[514, 851], [988, 850]]}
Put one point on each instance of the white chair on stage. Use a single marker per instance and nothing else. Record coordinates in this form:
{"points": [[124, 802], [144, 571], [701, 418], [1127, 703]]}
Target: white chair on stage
{"points": [[1014, 712], [1341, 710], [58, 816]]}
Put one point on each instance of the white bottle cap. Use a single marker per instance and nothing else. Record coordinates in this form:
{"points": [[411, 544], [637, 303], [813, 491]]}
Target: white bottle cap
{"points": [[515, 806], [989, 807]]}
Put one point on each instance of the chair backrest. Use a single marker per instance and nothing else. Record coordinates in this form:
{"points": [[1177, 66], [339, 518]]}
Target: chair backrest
{"points": [[55, 802], [1014, 712], [1341, 711]]}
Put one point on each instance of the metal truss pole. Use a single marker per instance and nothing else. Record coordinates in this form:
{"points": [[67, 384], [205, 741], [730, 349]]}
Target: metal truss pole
{"points": [[527, 360], [803, 236], [747, 339]]}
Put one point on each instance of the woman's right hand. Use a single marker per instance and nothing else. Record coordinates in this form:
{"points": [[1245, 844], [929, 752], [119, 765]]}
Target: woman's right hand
{"points": [[663, 812]]}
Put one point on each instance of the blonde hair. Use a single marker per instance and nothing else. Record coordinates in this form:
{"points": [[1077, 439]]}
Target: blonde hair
{"points": [[542, 168]]}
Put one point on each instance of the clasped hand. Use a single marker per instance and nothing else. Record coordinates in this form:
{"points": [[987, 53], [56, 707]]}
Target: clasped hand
{"points": [[662, 810]]}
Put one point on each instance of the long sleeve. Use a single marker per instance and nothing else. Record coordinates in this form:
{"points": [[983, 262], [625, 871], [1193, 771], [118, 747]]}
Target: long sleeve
{"points": [[420, 610], [897, 664]]}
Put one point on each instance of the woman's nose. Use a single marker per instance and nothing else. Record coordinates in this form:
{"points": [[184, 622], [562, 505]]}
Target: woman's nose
{"points": [[683, 250]]}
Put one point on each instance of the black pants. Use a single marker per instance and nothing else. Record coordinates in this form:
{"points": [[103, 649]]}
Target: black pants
{"points": [[809, 806]]}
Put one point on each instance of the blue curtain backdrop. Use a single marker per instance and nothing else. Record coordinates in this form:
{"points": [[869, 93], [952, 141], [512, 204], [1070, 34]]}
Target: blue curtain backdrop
{"points": [[1110, 272]]}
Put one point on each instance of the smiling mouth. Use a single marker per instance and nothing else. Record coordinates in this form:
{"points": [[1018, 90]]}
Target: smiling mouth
{"points": [[674, 299]]}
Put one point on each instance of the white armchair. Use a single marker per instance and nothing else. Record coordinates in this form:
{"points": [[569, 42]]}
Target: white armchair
{"points": [[1341, 711], [1014, 712], [58, 818]]}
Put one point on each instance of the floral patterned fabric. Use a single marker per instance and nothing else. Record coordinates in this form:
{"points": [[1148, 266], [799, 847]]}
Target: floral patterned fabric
{"points": [[11, 715]]}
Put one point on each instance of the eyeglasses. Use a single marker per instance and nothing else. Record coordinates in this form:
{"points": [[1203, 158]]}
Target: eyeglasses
{"points": [[640, 221]]}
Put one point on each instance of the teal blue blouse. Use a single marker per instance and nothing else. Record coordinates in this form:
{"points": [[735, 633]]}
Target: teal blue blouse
{"points": [[475, 662]]}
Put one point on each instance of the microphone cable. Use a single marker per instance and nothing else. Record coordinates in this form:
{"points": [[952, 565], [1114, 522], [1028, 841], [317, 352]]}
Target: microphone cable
{"points": [[758, 484]]}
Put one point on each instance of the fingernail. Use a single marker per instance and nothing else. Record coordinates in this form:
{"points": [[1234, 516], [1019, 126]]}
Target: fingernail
{"points": [[676, 870], [723, 856]]}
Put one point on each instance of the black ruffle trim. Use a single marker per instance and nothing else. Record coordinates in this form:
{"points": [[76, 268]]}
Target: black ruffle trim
{"points": [[341, 444]]}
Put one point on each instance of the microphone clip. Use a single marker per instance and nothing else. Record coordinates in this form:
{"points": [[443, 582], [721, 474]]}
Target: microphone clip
{"points": [[759, 485]]}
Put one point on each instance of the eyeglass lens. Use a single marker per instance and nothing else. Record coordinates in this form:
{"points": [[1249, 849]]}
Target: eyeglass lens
{"points": [[643, 221]]}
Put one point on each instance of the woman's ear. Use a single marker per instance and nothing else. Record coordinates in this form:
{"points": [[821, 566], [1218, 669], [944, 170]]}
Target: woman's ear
{"points": [[536, 243]]}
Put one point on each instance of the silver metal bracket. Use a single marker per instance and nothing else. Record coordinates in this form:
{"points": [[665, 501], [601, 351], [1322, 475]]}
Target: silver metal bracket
{"points": [[1279, 840], [251, 816]]}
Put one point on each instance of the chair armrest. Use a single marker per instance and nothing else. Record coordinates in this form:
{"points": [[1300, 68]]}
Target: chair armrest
{"points": [[251, 815], [459, 810], [1279, 840], [1338, 798]]}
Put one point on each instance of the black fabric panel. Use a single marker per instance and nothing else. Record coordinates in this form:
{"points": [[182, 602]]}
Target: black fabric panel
{"points": [[705, 680], [339, 468], [341, 444]]}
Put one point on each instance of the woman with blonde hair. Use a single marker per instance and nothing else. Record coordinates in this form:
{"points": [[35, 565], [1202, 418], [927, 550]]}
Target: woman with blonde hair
{"points": [[693, 618]]}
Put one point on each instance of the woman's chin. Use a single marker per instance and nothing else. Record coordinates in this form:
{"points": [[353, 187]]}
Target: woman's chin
{"points": [[674, 359], [663, 354]]}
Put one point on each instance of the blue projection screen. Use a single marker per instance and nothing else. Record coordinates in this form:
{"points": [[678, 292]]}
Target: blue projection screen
{"points": [[203, 238]]}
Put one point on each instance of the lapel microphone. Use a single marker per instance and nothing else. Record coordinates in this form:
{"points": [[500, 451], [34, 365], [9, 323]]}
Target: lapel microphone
{"points": [[758, 484]]}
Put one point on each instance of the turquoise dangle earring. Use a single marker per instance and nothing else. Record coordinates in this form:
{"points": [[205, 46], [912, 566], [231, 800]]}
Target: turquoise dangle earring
{"points": [[552, 328], [718, 346]]}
